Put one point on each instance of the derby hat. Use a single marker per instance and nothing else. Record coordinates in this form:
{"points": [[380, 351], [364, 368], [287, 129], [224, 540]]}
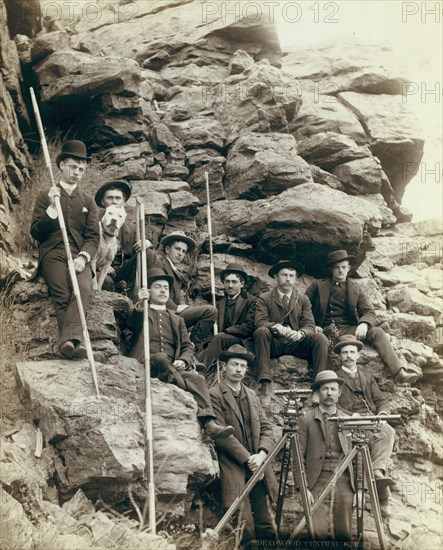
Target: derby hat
{"points": [[123, 186], [347, 340], [236, 351], [178, 236], [233, 268], [338, 256], [289, 264], [157, 274], [72, 149], [324, 377]]}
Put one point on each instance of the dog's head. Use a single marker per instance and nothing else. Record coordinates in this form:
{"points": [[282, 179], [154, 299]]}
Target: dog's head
{"points": [[113, 218]]}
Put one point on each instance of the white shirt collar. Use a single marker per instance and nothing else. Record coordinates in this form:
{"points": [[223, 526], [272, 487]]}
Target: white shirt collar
{"points": [[322, 410], [234, 297], [351, 372], [68, 187], [281, 294], [158, 307]]}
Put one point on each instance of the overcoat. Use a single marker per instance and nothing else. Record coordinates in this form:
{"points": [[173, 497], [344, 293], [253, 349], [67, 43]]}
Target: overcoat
{"points": [[270, 310], [80, 214], [374, 397], [311, 437], [232, 455], [360, 309], [243, 319]]}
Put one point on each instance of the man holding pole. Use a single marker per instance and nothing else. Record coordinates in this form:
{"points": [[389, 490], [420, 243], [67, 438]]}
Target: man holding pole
{"points": [[171, 352], [81, 220]]}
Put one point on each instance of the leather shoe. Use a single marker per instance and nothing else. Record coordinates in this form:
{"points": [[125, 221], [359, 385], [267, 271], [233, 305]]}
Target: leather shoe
{"points": [[67, 349], [79, 352], [385, 508], [216, 431], [403, 377]]}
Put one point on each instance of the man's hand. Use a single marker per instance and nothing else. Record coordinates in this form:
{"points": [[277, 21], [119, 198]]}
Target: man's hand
{"points": [[280, 329], [144, 294], [361, 331], [179, 364], [181, 308], [310, 497], [295, 336], [138, 245], [111, 271], [79, 263], [319, 329], [256, 460], [52, 193]]}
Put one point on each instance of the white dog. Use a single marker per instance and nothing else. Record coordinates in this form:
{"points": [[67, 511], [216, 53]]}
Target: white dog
{"points": [[110, 224]]}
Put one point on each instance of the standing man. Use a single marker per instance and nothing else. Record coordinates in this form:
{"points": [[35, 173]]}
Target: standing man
{"points": [[322, 448], [361, 395], [285, 326], [171, 352], [236, 314], [81, 219], [340, 302], [242, 453]]}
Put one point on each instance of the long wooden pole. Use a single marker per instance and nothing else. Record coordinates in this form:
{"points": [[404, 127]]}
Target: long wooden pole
{"points": [[149, 454], [211, 260], [70, 261]]}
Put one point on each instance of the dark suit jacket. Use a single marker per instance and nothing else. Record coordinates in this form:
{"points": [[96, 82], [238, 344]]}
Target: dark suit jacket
{"points": [[243, 322], [183, 346], [81, 219], [311, 437], [360, 309], [175, 293], [232, 455], [270, 311], [374, 397]]}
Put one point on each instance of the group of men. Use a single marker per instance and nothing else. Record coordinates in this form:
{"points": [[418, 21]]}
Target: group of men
{"points": [[282, 321]]}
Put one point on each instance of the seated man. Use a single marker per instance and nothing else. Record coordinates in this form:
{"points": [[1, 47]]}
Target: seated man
{"points": [[236, 314], [242, 453], [285, 326], [339, 302], [322, 447], [81, 220], [171, 354], [175, 245], [360, 394]]}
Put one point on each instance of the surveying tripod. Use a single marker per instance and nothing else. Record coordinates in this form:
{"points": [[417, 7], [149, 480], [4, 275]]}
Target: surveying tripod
{"points": [[359, 428]]}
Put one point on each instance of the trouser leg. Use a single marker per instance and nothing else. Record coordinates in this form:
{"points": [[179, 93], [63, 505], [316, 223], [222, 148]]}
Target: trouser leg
{"points": [[220, 342], [193, 314], [381, 445], [262, 341], [378, 339], [261, 510], [196, 384], [317, 347]]}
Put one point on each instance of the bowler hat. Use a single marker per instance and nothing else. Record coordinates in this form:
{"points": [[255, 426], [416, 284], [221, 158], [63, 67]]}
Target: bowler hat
{"points": [[157, 274], [338, 256], [324, 377], [288, 264], [236, 351], [114, 184], [233, 268], [178, 236], [72, 149], [347, 340]]}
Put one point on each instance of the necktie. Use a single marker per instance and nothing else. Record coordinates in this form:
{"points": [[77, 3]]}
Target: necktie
{"points": [[285, 301]]}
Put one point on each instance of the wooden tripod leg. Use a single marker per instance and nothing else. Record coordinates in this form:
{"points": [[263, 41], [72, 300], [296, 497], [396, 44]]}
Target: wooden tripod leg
{"points": [[367, 464], [298, 472], [282, 485]]}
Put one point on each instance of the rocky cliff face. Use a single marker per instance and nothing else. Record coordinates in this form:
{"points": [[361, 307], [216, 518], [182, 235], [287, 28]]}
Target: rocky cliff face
{"points": [[305, 152]]}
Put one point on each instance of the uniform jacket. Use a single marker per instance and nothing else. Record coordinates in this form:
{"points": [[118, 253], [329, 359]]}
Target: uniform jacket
{"points": [[311, 437], [360, 309], [81, 219], [232, 455], [183, 346], [374, 397], [270, 310], [244, 317]]}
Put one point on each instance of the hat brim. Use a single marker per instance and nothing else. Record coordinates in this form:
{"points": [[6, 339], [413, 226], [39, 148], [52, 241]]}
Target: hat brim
{"points": [[122, 185], [169, 239], [348, 257], [299, 268], [240, 271], [340, 345], [63, 156], [316, 385], [226, 355], [165, 277]]}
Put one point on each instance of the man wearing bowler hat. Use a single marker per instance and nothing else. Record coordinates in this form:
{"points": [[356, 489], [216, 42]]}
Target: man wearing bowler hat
{"points": [[340, 302], [285, 326], [361, 395], [171, 352], [175, 247], [322, 448], [242, 453], [236, 313], [81, 219]]}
